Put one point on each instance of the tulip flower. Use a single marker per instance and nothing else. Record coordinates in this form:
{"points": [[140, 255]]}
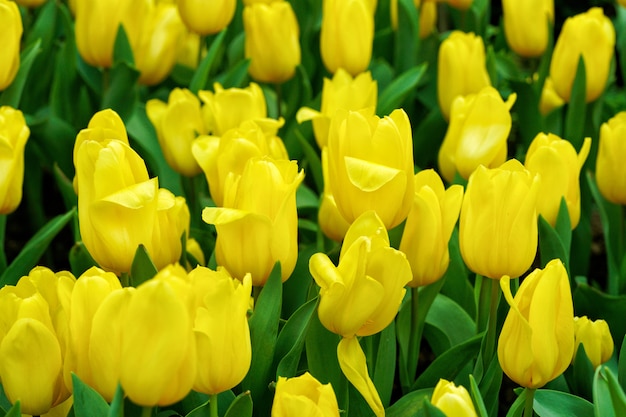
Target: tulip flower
{"points": [[347, 35], [207, 17], [589, 35], [537, 339], [370, 165], [14, 134], [610, 167], [453, 400], [555, 160], [10, 36], [258, 224], [429, 227], [477, 135], [498, 224], [461, 69], [343, 92], [595, 337], [331, 222], [304, 395], [549, 99], [527, 25], [427, 16], [272, 41]]}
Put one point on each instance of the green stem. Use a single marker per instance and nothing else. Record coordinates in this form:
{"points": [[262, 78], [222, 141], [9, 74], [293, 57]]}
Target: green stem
{"points": [[213, 405], [279, 94], [189, 188], [125, 279], [528, 405], [493, 321], [414, 336], [3, 255], [146, 412]]}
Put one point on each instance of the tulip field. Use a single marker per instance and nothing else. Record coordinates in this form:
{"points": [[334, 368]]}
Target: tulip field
{"points": [[288, 208]]}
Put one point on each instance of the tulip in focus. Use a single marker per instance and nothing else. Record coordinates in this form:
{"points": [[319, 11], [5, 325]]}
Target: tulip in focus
{"points": [[14, 134], [555, 160], [206, 17], [304, 395], [595, 337], [527, 25], [610, 167], [537, 339], [498, 225], [453, 400], [272, 41], [477, 134], [10, 37], [589, 35]]}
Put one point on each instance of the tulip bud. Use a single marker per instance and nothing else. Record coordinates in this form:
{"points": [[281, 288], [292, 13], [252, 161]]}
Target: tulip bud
{"points": [[453, 400], [589, 35], [477, 134], [304, 395], [427, 10], [347, 35], [207, 17], [498, 225], [610, 167], [556, 162], [461, 70], [537, 339], [10, 36], [272, 41], [13, 136], [527, 25], [595, 338]]}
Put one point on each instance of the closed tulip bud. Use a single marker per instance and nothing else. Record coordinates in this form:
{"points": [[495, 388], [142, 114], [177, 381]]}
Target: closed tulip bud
{"points": [[14, 134], [429, 227], [370, 165], [589, 35], [10, 37], [610, 167], [477, 134], [341, 93], [207, 17], [461, 70], [272, 41], [104, 126], [558, 165], [527, 25], [347, 35], [536, 343], [595, 337], [452, 400], [258, 224], [304, 395], [498, 225], [549, 100], [331, 222], [189, 52]]}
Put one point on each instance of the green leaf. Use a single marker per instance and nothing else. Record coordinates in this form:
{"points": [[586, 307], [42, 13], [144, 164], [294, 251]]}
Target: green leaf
{"points": [[554, 242], [291, 340], [87, 402], [142, 268], [313, 159], [122, 51], [517, 408], [429, 410], [80, 259], [241, 406], [392, 97], [5, 404], [582, 374], [201, 76], [13, 94], [385, 360], [236, 75], [549, 403], [121, 93], [576, 108], [608, 397], [117, 405], [621, 364], [15, 411], [490, 385], [477, 397], [407, 40], [593, 303], [448, 324], [409, 404], [526, 108]]}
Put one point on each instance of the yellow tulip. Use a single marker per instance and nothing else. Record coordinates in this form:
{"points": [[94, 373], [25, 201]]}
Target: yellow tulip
{"points": [[453, 400], [610, 167], [189, 52], [589, 35], [429, 227], [537, 339], [258, 224], [10, 37], [370, 165], [527, 25], [477, 135], [498, 224], [555, 160], [207, 17], [595, 337], [331, 222], [304, 395], [549, 100], [347, 35], [14, 134], [461, 69], [272, 41]]}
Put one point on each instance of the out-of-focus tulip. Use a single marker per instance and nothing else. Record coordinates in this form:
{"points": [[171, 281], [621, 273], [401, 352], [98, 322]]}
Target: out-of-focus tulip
{"points": [[537, 339], [189, 50], [194, 249], [595, 337], [258, 224], [610, 167], [498, 225], [341, 93], [347, 35], [272, 41], [10, 36], [429, 226], [370, 165], [461, 69], [558, 165], [477, 135], [30, 3], [178, 123], [304, 395], [453, 400], [589, 35], [329, 218], [224, 352], [621, 3], [14, 134], [527, 25], [427, 10], [207, 17], [549, 100]]}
